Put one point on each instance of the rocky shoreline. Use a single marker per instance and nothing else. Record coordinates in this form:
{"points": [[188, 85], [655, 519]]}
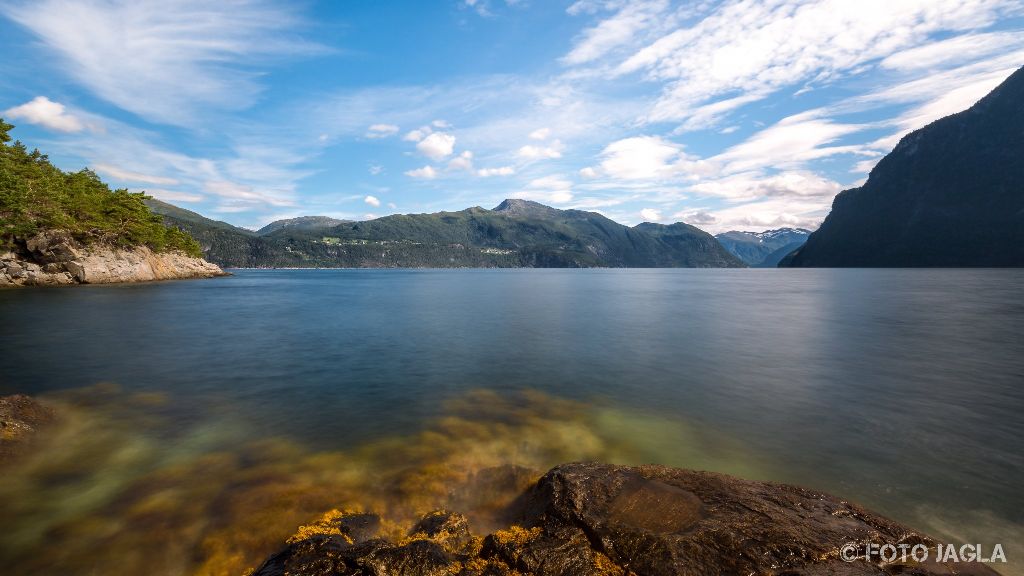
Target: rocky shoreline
{"points": [[599, 519], [588, 519], [54, 258]]}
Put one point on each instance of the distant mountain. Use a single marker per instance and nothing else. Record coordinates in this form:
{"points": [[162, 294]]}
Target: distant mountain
{"points": [[949, 194], [527, 209], [220, 242], [306, 223], [517, 233], [760, 249]]}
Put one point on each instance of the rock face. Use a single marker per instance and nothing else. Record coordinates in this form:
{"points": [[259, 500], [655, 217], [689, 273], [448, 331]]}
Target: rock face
{"points": [[591, 519], [20, 418], [53, 258], [949, 194]]}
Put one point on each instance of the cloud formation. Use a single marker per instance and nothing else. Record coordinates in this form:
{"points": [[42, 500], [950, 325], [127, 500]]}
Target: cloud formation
{"points": [[426, 172], [168, 62], [437, 146], [47, 113], [381, 130]]}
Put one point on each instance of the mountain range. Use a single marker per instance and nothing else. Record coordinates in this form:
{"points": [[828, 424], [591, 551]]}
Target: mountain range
{"points": [[763, 249], [516, 233], [950, 194]]}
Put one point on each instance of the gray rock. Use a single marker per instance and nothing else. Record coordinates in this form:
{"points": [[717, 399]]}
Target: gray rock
{"points": [[76, 270]]}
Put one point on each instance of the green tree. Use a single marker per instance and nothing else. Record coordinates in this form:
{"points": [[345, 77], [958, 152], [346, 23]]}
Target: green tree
{"points": [[35, 195]]}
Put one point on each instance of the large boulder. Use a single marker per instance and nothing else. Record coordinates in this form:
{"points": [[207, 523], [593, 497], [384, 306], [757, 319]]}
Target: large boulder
{"points": [[53, 246], [600, 519]]}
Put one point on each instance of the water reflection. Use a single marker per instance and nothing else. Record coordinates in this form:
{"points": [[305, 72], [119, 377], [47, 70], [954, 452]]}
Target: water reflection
{"points": [[899, 389]]}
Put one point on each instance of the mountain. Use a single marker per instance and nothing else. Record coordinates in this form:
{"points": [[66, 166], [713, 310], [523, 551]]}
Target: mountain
{"points": [[517, 233], [307, 223], [527, 209], [949, 194], [221, 242], [760, 249]]}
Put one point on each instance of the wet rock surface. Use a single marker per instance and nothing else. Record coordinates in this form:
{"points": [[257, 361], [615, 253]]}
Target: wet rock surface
{"points": [[590, 519], [54, 258], [21, 417]]}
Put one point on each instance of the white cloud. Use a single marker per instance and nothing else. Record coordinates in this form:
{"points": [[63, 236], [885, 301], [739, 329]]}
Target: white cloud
{"points": [[440, 124], [650, 215], [45, 112], [415, 135], [749, 186], [500, 171], [381, 130], [437, 145], [129, 176], [554, 189], [170, 195], [588, 172], [242, 196], [551, 183], [614, 31], [540, 134], [538, 152], [758, 202], [789, 143], [165, 61], [463, 161], [864, 166], [695, 217], [761, 215], [372, 201], [426, 172], [969, 47], [376, 169], [249, 174], [640, 158], [756, 47], [935, 95], [548, 196]]}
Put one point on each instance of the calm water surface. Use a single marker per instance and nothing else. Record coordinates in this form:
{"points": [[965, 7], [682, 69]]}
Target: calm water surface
{"points": [[900, 389]]}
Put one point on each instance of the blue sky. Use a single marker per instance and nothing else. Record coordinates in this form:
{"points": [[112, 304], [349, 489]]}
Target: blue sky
{"points": [[747, 114]]}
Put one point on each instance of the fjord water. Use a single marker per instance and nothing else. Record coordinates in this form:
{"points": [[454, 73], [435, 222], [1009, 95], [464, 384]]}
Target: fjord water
{"points": [[902, 390]]}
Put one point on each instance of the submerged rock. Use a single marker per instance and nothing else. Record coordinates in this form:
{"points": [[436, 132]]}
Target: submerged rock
{"points": [[54, 258], [21, 417], [598, 519]]}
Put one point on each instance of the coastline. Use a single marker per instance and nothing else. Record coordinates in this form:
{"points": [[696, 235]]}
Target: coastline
{"points": [[54, 259]]}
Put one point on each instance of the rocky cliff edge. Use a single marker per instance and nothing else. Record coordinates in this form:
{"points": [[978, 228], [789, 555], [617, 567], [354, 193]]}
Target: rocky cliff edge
{"points": [[54, 258]]}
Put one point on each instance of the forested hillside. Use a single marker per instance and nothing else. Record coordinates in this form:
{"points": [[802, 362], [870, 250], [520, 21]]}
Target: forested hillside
{"points": [[36, 196], [517, 233]]}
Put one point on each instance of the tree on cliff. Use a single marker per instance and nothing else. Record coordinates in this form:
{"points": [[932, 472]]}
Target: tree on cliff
{"points": [[35, 196]]}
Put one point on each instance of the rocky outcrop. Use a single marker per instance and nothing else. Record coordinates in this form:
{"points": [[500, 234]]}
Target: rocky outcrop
{"points": [[591, 519], [54, 258], [21, 417]]}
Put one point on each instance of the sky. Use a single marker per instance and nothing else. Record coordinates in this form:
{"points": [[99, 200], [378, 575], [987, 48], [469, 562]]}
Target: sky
{"points": [[733, 115]]}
